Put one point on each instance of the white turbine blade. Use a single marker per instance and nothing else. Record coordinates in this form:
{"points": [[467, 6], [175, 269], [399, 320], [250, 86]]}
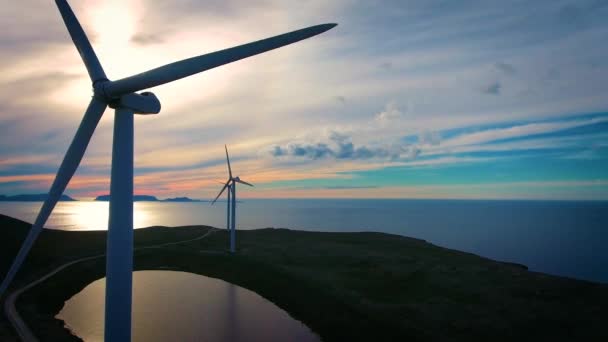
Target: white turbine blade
{"points": [[187, 67], [243, 182], [81, 41], [228, 161], [220, 194], [70, 162]]}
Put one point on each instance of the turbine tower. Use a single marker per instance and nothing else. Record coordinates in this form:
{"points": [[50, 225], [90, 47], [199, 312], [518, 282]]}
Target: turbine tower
{"points": [[122, 97], [228, 206], [231, 211]]}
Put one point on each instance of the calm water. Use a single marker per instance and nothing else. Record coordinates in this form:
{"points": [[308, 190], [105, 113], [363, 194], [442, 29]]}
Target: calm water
{"points": [[563, 238], [179, 306]]}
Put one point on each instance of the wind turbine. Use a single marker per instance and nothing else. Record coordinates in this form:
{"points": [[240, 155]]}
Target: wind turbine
{"points": [[120, 95], [231, 186]]}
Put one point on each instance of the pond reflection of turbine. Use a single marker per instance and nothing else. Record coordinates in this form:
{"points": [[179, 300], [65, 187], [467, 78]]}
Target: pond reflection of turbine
{"points": [[231, 325]]}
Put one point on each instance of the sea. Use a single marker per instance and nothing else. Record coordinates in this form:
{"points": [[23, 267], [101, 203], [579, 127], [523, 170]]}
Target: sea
{"points": [[566, 238]]}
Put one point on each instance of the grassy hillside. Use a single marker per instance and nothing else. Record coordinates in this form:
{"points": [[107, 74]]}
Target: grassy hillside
{"points": [[344, 286]]}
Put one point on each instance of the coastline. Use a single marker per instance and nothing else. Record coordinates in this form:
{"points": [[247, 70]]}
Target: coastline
{"points": [[344, 286]]}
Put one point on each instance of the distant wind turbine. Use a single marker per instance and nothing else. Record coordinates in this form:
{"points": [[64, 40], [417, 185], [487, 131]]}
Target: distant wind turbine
{"points": [[120, 95], [231, 211]]}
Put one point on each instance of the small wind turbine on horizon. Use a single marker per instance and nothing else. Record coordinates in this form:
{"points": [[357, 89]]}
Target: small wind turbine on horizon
{"points": [[231, 207], [122, 97]]}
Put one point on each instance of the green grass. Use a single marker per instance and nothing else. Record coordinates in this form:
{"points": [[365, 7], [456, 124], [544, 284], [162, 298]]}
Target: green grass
{"points": [[344, 286]]}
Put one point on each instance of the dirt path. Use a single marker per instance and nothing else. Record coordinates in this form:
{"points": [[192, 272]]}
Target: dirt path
{"points": [[24, 332]]}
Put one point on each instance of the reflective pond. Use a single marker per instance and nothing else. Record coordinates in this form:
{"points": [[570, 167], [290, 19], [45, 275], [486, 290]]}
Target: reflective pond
{"points": [[179, 306]]}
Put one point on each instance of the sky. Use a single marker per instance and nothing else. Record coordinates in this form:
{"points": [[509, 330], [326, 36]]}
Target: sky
{"points": [[403, 99]]}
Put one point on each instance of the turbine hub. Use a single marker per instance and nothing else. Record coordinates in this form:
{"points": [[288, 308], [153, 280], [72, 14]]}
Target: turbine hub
{"points": [[99, 90]]}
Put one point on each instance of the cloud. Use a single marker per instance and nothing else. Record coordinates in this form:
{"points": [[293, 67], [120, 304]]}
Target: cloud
{"points": [[147, 39], [579, 16], [277, 151], [339, 146], [386, 65], [30, 88], [587, 154], [16, 160], [552, 74], [574, 190], [343, 187], [519, 130], [30, 115], [413, 152], [390, 113], [315, 151], [506, 68], [492, 88], [31, 34], [223, 8], [427, 137]]}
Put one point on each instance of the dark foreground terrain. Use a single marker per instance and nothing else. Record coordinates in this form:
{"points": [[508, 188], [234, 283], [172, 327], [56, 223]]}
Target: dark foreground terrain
{"points": [[344, 286]]}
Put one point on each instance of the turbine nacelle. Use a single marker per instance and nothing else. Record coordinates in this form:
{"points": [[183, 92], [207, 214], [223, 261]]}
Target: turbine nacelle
{"points": [[238, 179], [144, 103]]}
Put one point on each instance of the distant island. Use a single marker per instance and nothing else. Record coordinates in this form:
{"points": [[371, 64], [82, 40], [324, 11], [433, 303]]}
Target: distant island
{"points": [[136, 198], [182, 199], [150, 198], [32, 198]]}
